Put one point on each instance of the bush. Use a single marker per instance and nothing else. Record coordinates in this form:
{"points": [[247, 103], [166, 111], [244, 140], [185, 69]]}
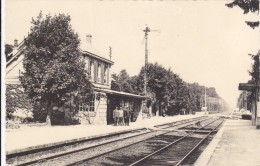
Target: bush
{"points": [[16, 99], [39, 113], [11, 125], [22, 115]]}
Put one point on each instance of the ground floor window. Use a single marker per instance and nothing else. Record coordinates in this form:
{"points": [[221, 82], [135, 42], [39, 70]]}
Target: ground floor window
{"points": [[87, 106]]}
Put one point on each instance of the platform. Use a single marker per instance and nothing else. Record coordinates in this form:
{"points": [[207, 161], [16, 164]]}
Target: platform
{"points": [[237, 143], [27, 137]]}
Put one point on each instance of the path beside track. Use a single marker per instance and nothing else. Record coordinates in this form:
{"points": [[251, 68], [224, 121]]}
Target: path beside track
{"points": [[237, 143], [28, 137]]}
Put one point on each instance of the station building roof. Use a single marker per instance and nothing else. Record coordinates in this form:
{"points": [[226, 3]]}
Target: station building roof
{"points": [[109, 91]]}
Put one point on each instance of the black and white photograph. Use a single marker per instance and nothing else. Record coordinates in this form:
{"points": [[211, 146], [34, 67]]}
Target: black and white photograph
{"points": [[130, 83]]}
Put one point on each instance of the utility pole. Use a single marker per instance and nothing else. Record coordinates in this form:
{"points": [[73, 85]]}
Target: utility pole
{"points": [[246, 101], [205, 98], [146, 31]]}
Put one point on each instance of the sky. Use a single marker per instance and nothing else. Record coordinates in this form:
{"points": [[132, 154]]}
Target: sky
{"points": [[202, 41]]}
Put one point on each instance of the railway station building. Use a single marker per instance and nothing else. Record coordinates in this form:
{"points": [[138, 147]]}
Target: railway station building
{"points": [[104, 100]]}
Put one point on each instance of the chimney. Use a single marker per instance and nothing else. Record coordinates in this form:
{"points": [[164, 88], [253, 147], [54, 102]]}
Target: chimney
{"points": [[15, 43], [89, 37], [110, 52]]}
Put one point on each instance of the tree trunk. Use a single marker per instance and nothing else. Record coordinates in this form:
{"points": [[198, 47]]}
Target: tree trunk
{"points": [[48, 118]]}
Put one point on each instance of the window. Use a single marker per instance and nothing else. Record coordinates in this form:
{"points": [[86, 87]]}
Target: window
{"points": [[105, 74], [83, 107], [92, 104], [91, 71], [87, 106], [99, 73], [86, 67]]}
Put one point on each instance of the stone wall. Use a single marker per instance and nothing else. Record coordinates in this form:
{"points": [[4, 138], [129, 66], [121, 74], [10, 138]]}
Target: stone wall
{"points": [[101, 109]]}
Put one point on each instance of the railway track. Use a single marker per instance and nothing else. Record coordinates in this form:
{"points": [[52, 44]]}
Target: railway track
{"points": [[77, 153], [180, 150], [138, 153]]}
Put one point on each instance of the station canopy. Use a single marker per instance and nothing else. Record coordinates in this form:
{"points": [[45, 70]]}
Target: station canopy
{"points": [[113, 92]]}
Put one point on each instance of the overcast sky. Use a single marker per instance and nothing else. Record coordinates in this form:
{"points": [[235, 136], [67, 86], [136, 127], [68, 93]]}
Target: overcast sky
{"points": [[202, 41]]}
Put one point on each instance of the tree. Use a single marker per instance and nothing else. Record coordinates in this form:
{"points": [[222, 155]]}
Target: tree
{"points": [[161, 86], [8, 50], [211, 92], [196, 92], [166, 91], [254, 73], [122, 82], [54, 69], [11, 102], [247, 6], [250, 6]]}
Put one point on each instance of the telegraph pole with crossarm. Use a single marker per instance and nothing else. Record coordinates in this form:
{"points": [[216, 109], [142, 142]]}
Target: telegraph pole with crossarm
{"points": [[146, 31]]}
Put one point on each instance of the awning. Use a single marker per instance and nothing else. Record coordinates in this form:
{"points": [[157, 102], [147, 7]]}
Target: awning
{"points": [[109, 91]]}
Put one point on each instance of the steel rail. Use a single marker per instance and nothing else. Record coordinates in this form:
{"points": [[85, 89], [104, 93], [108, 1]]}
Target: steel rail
{"points": [[186, 120], [159, 150], [197, 145], [84, 160], [77, 150], [34, 150], [41, 160], [196, 119]]}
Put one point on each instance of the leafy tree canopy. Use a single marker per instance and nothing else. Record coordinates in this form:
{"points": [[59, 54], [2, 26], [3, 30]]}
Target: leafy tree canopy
{"points": [[164, 89], [53, 65], [8, 50], [122, 82], [247, 6]]}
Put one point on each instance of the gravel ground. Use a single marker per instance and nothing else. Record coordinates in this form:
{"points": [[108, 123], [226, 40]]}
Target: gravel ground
{"points": [[132, 153]]}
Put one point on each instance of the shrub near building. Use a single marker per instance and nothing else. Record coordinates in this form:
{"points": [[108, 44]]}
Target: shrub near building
{"points": [[18, 106]]}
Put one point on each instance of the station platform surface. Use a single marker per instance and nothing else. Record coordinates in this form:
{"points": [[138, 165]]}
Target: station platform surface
{"points": [[31, 136], [237, 143]]}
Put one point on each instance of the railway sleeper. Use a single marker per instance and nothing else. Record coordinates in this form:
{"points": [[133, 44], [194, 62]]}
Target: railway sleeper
{"points": [[201, 131]]}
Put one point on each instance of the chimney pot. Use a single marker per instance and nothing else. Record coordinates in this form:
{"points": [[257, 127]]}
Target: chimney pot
{"points": [[15, 43], [89, 38]]}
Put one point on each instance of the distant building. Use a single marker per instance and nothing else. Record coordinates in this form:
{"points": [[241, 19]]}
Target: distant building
{"points": [[105, 100]]}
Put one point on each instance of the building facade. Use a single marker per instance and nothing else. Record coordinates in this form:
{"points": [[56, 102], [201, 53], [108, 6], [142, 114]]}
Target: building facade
{"points": [[104, 100]]}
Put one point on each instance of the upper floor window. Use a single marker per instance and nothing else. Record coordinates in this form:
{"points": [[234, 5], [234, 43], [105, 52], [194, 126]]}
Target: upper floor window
{"points": [[91, 71], [105, 74], [86, 68], [99, 73]]}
